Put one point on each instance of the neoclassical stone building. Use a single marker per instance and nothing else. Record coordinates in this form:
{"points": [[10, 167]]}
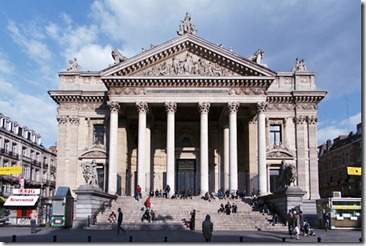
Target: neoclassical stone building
{"points": [[191, 114]]}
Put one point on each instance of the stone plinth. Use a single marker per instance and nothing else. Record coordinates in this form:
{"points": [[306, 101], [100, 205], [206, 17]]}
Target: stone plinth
{"points": [[285, 199], [89, 199]]}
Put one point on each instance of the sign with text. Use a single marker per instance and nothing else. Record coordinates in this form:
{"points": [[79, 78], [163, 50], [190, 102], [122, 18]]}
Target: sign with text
{"points": [[26, 191], [11, 170], [21, 201], [354, 171]]}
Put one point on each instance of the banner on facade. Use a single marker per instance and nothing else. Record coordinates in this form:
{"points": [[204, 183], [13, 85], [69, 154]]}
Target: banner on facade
{"points": [[21, 201], [11, 170], [354, 171], [26, 191]]}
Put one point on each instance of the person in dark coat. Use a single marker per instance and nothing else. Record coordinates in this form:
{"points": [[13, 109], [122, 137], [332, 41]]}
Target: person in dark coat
{"points": [[193, 220], [119, 221]]}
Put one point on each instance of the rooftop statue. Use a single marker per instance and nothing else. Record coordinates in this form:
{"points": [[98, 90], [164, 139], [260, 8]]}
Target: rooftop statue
{"points": [[117, 56], [73, 65], [257, 56], [186, 26], [299, 65]]}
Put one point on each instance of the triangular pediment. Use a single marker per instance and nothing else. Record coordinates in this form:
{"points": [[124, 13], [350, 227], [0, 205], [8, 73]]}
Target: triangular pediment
{"points": [[187, 55]]}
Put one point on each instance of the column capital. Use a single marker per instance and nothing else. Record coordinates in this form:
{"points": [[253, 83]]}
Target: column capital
{"points": [[204, 107], [261, 107], [299, 119], [74, 120], [312, 120], [171, 107], [62, 119], [142, 107], [113, 106], [233, 107]]}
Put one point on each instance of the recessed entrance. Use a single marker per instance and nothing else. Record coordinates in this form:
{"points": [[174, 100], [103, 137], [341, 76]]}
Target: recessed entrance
{"points": [[186, 175]]}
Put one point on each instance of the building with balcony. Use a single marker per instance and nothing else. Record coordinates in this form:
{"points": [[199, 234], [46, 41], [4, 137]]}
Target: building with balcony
{"points": [[21, 146], [334, 158]]}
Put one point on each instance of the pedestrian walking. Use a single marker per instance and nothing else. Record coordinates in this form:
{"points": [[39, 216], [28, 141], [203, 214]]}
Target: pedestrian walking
{"points": [[326, 221], [207, 228], [119, 221]]}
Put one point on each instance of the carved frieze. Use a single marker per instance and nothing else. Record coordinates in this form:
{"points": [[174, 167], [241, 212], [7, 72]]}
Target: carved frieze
{"points": [[280, 106], [247, 91], [189, 65], [306, 106]]}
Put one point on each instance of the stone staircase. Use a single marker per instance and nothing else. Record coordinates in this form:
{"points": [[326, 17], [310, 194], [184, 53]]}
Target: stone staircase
{"points": [[170, 213]]}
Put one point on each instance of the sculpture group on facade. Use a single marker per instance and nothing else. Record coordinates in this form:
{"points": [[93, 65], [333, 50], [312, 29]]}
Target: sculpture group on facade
{"points": [[288, 175], [90, 173], [186, 26], [189, 67], [73, 65], [117, 56], [257, 56], [299, 65]]}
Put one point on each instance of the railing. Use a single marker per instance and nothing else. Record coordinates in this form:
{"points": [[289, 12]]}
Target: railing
{"points": [[101, 208]]}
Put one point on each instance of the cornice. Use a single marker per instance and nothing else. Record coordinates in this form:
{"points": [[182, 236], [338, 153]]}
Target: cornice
{"points": [[77, 96], [120, 81]]}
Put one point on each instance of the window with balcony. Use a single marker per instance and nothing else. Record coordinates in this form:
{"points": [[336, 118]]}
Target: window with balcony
{"points": [[24, 151], [7, 146], [98, 134], [275, 135]]}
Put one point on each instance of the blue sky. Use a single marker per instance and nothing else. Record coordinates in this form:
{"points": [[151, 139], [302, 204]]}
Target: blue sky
{"points": [[38, 37]]}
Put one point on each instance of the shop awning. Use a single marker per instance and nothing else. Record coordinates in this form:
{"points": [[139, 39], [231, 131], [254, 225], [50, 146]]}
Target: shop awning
{"points": [[21, 200]]}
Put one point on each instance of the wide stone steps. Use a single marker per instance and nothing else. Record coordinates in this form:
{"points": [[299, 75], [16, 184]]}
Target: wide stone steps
{"points": [[170, 214]]}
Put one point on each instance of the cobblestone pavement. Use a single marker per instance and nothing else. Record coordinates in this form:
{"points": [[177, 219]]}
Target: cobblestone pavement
{"points": [[48, 235]]}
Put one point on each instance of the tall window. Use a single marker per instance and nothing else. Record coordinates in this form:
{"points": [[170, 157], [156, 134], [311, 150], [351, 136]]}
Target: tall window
{"points": [[98, 134], [275, 134]]}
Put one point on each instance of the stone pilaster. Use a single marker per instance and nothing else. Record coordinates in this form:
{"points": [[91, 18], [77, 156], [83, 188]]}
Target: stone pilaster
{"points": [[313, 158]]}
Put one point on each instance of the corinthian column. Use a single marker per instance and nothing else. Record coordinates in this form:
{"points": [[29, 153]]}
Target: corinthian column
{"points": [[262, 169], [204, 108], [171, 108], [142, 109], [233, 109], [113, 143]]}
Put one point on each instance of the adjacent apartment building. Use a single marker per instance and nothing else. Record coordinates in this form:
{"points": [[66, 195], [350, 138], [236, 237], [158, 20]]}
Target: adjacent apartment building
{"points": [[334, 158], [21, 146]]}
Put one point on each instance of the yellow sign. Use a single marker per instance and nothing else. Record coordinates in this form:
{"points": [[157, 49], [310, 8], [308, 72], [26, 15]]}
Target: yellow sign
{"points": [[11, 170], [354, 171]]}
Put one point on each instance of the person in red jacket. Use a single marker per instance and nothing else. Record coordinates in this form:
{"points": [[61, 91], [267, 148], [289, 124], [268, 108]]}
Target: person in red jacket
{"points": [[148, 203], [138, 195]]}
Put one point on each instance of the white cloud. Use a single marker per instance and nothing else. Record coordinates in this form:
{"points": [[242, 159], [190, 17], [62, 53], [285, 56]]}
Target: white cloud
{"points": [[37, 112], [331, 130], [35, 49], [94, 57], [6, 66]]}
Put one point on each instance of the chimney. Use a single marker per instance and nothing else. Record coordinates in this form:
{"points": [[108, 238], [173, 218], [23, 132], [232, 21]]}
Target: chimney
{"points": [[329, 144]]}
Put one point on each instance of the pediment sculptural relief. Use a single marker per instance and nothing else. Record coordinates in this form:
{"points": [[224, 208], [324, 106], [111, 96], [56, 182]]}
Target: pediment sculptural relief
{"points": [[187, 65]]}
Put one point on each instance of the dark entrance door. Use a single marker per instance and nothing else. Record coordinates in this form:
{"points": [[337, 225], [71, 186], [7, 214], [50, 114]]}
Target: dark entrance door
{"points": [[185, 175]]}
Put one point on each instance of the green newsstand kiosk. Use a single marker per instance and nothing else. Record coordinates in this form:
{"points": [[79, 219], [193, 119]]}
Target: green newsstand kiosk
{"points": [[62, 208]]}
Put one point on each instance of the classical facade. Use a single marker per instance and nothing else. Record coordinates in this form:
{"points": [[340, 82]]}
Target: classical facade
{"points": [[190, 114]]}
